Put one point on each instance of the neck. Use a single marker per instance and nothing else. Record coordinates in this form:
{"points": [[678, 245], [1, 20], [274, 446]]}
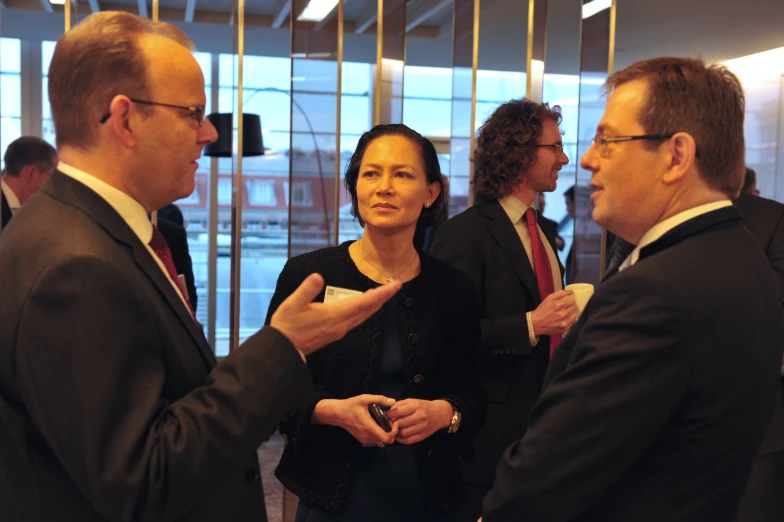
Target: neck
{"points": [[390, 253], [106, 167], [15, 184], [685, 200], [525, 195]]}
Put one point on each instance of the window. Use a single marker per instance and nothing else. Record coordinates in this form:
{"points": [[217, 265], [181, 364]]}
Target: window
{"points": [[11, 85], [224, 191], [261, 192], [301, 193]]}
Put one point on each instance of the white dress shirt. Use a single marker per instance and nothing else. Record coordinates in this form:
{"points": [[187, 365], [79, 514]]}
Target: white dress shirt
{"points": [[129, 209], [515, 209], [10, 197], [662, 227]]}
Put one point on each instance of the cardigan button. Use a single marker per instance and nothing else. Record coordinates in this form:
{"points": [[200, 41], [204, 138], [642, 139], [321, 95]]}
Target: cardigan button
{"points": [[413, 338], [410, 302], [252, 475], [418, 378]]}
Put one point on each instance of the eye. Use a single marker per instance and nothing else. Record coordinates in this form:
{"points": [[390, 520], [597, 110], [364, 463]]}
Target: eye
{"points": [[369, 174], [403, 174]]}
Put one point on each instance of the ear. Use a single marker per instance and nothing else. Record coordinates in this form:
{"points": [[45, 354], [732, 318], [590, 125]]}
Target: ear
{"points": [[28, 173], [433, 190], [122, 120], [681, 157]]}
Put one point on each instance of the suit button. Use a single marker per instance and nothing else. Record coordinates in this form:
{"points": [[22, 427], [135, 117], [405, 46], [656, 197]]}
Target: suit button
{"points": [[507, 350], [429, 453], [514, 350], [418, 378], [413, 338], [252, 475], [409, 302], [495, 352]]}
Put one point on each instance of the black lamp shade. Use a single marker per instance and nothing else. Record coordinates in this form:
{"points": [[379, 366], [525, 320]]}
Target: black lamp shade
{"points": [[224, 123]]}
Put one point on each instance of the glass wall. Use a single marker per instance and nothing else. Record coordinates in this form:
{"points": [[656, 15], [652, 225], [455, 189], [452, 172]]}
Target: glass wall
{"points": [[11, 89]]}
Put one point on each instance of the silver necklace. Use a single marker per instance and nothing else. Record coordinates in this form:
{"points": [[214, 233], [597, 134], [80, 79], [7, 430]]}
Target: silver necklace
{"points": [[394, 277]]}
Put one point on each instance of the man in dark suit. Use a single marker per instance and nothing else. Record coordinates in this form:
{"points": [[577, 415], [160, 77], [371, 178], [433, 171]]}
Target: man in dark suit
{"points": [[112, 405], [28, 163], [656, 402], [509, 252]]}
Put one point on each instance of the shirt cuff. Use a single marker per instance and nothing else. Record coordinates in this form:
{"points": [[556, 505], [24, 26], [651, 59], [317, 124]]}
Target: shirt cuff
{"points": [[532, 337]]}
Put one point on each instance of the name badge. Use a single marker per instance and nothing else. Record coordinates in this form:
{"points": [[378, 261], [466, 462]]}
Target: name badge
{"points": [[334, 294]]}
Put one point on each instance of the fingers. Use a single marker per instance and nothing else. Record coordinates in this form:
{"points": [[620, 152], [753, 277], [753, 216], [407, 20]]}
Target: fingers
{"points": [[356, 310], [305, 293], [401, 410], [367, 399]]}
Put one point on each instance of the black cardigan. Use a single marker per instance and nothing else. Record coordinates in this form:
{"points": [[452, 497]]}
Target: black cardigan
{"points": [[439, 335]]}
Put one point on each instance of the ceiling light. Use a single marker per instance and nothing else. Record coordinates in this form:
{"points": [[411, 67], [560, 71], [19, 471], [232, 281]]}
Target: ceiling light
{"points": [[316, 10], [595, 6]]}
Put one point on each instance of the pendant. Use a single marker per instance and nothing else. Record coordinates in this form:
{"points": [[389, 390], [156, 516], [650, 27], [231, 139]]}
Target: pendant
{"points": [[390, 279]]}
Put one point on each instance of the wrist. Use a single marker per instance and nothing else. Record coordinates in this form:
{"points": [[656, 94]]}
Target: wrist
{"points": [[327, 412], [445, 413]]}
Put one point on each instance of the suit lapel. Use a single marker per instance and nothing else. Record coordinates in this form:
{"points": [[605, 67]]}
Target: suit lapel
{"points": [[72, 192], [724, 217], [503, 231], [5, 211]]}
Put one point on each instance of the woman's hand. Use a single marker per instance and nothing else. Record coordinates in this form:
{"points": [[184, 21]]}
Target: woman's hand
{"points": [[353, 416], [418, 419]]}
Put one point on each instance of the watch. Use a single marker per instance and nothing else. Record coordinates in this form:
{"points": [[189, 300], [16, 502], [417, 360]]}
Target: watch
{"points": [[454, 425]]}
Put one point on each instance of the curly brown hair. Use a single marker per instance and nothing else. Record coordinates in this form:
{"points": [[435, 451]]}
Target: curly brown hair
{"points": [[505, 145]]}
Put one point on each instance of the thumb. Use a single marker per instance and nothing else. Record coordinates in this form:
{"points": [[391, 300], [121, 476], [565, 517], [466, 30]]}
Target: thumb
{"points": [[306, 292]]}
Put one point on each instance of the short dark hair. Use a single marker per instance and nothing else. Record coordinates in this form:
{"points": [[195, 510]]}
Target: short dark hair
{"points": [[505, 145], [749, 180], [569, 193], [429, 215], [28, 150], [686, 95]]}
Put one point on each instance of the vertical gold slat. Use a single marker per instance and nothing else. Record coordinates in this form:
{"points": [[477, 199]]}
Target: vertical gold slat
{"points": [[237, 250], [154, 213], [474, 68], [67, 15], [530, 50], [610, 69], [337, 123], [379, 58]]}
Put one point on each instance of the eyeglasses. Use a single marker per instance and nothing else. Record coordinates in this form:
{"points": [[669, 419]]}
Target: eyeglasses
{"points": [[195, 112], [557, 147], [603, 142]]}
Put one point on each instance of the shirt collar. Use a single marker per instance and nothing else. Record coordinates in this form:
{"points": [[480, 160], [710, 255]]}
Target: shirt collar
{"points": [[662, 227], [10, 196], [513, 207], [130, 210]]}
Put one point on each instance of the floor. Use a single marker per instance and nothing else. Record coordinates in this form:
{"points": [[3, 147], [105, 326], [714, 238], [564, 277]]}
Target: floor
{"points": [[281, 503]]}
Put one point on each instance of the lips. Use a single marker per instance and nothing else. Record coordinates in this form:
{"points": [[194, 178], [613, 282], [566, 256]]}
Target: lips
{"points": [[386, 206]]}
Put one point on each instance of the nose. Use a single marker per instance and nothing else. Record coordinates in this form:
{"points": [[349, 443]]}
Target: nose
{"points": [[588, 161], [207, 132], [565, 158], [384, 184]]}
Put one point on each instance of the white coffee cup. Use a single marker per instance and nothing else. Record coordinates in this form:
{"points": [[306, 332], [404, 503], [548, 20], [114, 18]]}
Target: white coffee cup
{"points": [[582, 294]]}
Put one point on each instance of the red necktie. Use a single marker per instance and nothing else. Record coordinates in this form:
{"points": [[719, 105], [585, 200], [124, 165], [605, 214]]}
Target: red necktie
{"points": [[544, 273], [161, 248]]}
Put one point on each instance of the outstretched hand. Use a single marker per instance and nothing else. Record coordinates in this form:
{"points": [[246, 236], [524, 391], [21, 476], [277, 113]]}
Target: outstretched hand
{"points": [[310, 326]]}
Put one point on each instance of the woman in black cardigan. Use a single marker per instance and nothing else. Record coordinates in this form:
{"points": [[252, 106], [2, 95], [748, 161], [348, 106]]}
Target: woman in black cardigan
{"points": [[416, 357]]}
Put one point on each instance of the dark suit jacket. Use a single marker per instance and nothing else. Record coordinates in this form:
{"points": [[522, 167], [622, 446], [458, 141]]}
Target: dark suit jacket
{"points": [[483, 243], [5, 211], [660, 395], [112, 406], [177, 239]]}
